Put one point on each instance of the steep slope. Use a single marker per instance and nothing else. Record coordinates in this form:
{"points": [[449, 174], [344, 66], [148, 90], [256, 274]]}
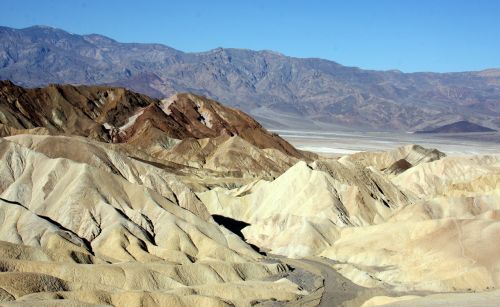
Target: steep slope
{"points": [[96, 210], [395, 161], [94, 230], [410, 219], [279, 90], [199, 117], [68, 109], [302, 211], [168, 129], [440, 255], [129, 164], [451, 175], [101, 208], [442, 242], [232, 155]]}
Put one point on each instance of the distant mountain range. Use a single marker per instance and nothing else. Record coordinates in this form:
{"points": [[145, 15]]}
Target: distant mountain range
{"points": [[280, 91]]}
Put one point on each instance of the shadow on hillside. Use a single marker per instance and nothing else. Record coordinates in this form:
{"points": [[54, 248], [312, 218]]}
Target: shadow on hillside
{"points": [[236, 227]]}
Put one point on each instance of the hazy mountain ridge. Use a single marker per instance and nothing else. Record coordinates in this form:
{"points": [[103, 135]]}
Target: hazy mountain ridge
{"points": [[256, 81]]}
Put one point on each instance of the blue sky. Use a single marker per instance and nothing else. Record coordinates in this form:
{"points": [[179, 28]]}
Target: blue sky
{"points": [[410, 35]]}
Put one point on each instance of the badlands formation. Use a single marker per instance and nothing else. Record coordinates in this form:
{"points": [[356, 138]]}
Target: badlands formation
{"points": [[109, 197]]}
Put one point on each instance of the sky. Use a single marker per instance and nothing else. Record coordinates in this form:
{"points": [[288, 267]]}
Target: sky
{"points": [[409, 35]]}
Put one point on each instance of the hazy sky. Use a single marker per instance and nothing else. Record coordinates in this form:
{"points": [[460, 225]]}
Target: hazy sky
{"points": [[438, 35]]}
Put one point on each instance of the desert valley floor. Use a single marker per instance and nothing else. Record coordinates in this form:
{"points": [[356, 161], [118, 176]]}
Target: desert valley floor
{"points": [[349, 142]]}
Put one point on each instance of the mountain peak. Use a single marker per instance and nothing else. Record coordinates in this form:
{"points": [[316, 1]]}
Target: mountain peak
{"points": [[44, 28]]}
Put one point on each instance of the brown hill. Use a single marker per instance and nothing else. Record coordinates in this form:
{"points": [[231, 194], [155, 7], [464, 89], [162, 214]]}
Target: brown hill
{"points": [[66, 109], [176, 129], [117, 114]]}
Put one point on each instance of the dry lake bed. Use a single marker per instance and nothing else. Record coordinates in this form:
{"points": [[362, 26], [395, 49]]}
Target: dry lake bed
{"points": [[342, 143]]}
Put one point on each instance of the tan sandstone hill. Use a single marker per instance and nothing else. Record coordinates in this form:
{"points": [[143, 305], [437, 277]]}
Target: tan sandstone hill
{"points": [[82, 232], [430, 227], [395, 161], [441, 242], [301, 212]]}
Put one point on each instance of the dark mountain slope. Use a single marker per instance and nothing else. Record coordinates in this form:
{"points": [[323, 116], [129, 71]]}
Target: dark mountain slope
{"points": [[459, 127]]}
